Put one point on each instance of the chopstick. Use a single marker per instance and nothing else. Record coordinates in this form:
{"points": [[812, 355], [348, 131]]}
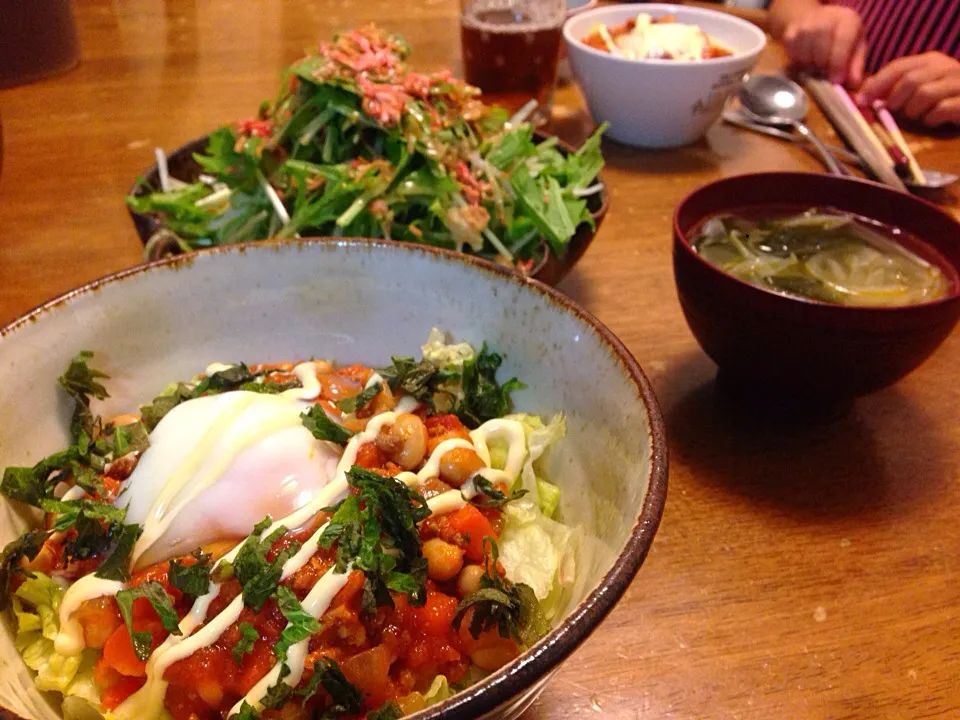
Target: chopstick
{"points": [[893, 130], [855, 129], [900, 163]]}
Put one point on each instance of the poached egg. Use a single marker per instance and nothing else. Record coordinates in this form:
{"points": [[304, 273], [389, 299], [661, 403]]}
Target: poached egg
{"points": [[217, 465]]}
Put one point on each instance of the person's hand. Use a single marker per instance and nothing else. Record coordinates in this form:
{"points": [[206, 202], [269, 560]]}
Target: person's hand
{"points": [[829, 38], [923, 87]]}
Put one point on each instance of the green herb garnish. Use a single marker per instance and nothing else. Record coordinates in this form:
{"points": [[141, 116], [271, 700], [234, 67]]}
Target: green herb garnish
{"points": [[192, 580], [323, 428], [376, 532], [511, 608], [258, 576], [345, 698], [158, 598], [300, 624], [244, 646]]}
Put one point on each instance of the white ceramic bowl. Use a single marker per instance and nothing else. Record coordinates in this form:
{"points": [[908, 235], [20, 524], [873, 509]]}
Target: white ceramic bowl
{"points": [[660, 103], [360, 301]]}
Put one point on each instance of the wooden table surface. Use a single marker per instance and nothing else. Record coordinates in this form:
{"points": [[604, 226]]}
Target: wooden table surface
{"points": [[810, 571]]}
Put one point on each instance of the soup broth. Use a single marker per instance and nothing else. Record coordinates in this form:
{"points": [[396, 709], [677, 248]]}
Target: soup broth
{"points": [[822, 255]]}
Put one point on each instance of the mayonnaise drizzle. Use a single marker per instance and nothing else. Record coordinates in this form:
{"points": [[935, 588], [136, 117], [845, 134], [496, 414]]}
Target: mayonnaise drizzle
{"points": [[69, 640], [315, 604], [309, 389]]}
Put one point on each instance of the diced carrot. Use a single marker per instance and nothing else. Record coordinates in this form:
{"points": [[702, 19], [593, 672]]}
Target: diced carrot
{"points": [[370, 672], [436, 615], [104, 675], [119, 654], [99, 618], [124, 688], [368, 456], [470, 527]]}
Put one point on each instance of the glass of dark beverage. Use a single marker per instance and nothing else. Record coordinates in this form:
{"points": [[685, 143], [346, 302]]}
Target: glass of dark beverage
{"points": [[511, 49]]}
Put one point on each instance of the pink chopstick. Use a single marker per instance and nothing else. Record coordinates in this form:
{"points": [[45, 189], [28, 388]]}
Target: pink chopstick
{"points": [[890, 125]]}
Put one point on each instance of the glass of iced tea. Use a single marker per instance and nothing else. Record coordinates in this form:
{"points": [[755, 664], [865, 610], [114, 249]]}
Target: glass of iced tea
{"points": [[511, 49]]}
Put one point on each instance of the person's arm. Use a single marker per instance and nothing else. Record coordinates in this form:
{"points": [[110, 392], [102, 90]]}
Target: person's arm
{"points": [[825, 37]]}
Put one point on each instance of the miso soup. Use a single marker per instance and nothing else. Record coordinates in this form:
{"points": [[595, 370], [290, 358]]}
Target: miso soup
{"points": [[821, 255]]}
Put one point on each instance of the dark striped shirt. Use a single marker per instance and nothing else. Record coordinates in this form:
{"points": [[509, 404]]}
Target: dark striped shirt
{"points": [[895, 28]]}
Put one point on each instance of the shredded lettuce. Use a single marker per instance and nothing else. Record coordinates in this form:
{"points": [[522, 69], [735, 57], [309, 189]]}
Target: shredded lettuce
{"points": [[36, 605], [438, 691], [539, 437], [534, 549], [548, 495], [442, 355]]}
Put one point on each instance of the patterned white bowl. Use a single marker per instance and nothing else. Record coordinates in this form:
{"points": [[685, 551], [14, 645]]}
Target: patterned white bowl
{"points": [[660, 103]]}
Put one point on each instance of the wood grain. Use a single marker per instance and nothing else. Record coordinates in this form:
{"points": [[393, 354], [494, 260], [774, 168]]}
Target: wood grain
{"points": [[801, 570]]}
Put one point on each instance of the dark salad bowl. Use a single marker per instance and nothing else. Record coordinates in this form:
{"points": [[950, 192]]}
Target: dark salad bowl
{"points": [[803, 352], [182, 165]]}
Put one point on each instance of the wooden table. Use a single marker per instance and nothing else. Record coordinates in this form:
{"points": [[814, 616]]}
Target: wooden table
{"points": [[804, 572]]}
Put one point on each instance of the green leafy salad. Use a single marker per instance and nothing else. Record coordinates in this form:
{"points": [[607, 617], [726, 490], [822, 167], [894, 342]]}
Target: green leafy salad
{"points": [[357, 144]]}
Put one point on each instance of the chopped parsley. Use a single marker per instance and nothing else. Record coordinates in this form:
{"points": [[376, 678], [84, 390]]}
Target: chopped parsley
{"points": [[376, 532], [192, 580], [247, 712], [122, 538], [323, 428], [158, 598], [483, 397], [25, 547], [279, 692], [345, 698], [491, 497], [258, 576], [360, 401], [414, 378], [388, 711], [300, 624], [81, 383], [244, 646]]}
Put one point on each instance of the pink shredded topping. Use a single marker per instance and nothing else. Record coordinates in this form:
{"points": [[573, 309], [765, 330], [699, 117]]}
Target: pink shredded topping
{"points": [[253, 127], [473, 187]]}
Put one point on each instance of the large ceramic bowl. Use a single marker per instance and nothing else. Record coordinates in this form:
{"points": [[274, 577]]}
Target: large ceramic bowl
{"points": [[181, 164], [807, 351], [361, 301], [660, 103]]}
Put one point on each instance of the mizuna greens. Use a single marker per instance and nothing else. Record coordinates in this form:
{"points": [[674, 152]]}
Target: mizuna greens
{"points": [[357, 144]]}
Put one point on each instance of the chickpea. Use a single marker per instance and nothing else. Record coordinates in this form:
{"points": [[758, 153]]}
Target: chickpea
{"points": [[469, 580], [457, 465], [494, 657], [443, 559], [404, 442], [322, 367]]}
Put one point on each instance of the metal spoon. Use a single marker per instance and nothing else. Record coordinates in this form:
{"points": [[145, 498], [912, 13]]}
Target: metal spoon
{"points": [[774, 100], [935, 179]]}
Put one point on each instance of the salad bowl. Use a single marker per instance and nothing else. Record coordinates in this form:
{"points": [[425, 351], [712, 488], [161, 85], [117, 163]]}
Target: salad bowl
{"points": [[361, 301], [182, 165]]}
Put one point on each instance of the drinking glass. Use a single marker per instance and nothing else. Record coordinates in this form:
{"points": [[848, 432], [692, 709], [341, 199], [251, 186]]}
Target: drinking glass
{"points": [[511, 49]]}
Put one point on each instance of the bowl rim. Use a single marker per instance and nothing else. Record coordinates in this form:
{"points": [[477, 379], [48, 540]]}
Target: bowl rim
{"points": [[538, 662], [683, 243], [721, 62]]}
